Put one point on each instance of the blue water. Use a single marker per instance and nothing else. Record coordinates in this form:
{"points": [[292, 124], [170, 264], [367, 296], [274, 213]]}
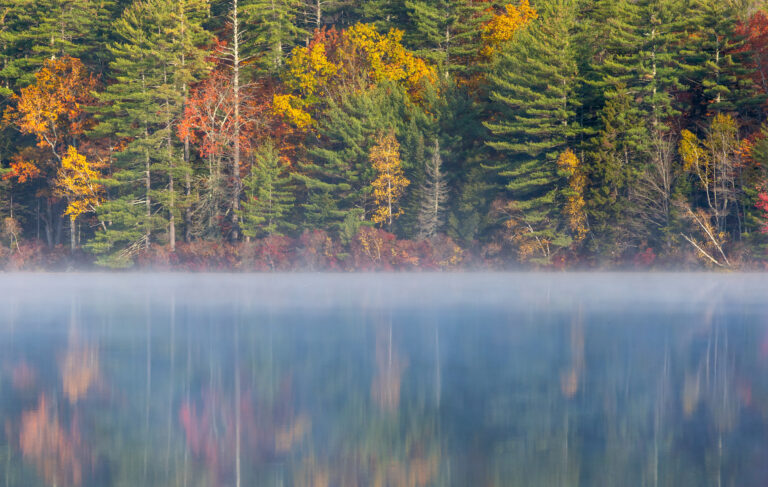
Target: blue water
{"points": [[383, 380]]}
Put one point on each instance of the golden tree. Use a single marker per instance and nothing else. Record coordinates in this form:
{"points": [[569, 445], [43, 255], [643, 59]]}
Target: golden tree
{"points": [[51, 109], [502, 27], [352, 60], [570, 165], [77, 181], [390, 183]]}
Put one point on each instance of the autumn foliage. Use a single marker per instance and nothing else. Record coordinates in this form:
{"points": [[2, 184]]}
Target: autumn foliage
{"points": [[389, 185], [354, 59], [78, 183], [53, 107], [503, 26]]}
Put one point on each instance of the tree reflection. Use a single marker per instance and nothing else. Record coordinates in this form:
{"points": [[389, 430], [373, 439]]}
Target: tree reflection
{"points": [[385, 387], [57, 452]]}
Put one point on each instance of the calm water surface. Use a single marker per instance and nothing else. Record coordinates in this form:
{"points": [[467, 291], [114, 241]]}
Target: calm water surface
{"points": [[383, 380]]}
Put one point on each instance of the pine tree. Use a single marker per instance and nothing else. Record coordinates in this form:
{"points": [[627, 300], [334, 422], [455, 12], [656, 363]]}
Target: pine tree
{"points": [[337, 173], [532, 89], [714, 63], [273, 30], [632, 78], [269, 198], [154, 59], [45, 29]]}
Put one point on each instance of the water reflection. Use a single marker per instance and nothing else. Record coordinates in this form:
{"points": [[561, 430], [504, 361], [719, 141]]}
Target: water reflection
{"points": [[323, 381]]}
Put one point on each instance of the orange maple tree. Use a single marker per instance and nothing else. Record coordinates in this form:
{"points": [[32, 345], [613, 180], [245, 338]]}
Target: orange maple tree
{"points": [[51, 108]]}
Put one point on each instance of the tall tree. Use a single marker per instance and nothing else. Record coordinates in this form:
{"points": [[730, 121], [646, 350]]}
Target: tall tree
{"points": [[434, 195], [154, 59], [274, 30], [268, 195], [389, 185], [533, 94]]}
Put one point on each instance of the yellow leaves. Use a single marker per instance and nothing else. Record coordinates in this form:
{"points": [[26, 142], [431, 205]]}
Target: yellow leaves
{"points": [[292, 109], [77, 182], [390, 184], [502, 27], [309, 69], [386, 58], [691, 152], [286, 438], [521, 234], [569, 164], [355, 59]]}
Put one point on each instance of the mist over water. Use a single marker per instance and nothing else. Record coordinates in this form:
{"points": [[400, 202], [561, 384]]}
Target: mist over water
{"points": [[387, 379]]}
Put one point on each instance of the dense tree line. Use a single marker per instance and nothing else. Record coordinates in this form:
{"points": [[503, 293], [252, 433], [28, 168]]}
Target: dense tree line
{"points": [[595, 133]]}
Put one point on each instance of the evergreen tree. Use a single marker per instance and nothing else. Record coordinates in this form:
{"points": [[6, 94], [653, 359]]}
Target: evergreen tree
{"points": [[337, 173], [269, 198], [154, 59], [273, 29], [714, 61], [43, 29], [532, 90], [633, 76]]}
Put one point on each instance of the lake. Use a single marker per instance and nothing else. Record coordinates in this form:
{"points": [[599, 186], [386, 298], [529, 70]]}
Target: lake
{"points": [[383, 380]]}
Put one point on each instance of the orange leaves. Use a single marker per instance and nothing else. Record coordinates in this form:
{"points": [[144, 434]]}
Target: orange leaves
{"points": [[502, 27], [52, 449], [54, 103], [77, 181], [22, 171], [209, 114], [390, 183], [355, 59], [575, 205]]}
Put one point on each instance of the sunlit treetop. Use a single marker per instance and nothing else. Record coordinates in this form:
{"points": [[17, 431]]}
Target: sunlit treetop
{"points": [[355, 59], [503, 26], [52, 107]]}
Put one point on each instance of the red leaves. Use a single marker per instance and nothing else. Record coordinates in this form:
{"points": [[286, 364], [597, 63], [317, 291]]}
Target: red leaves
{"points": [[762, 204], [755, 33], [209, 115]]}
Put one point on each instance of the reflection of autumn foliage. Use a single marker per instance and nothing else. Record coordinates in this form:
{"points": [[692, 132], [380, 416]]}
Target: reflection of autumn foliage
{"points": [[385, 389], [268, 430], [53, 450], [79, 370], [418, 470], [570, 378], [23, 377]]}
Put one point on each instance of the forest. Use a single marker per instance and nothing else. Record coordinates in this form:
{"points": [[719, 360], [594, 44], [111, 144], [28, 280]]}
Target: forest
{"points": [[384, 134]]}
